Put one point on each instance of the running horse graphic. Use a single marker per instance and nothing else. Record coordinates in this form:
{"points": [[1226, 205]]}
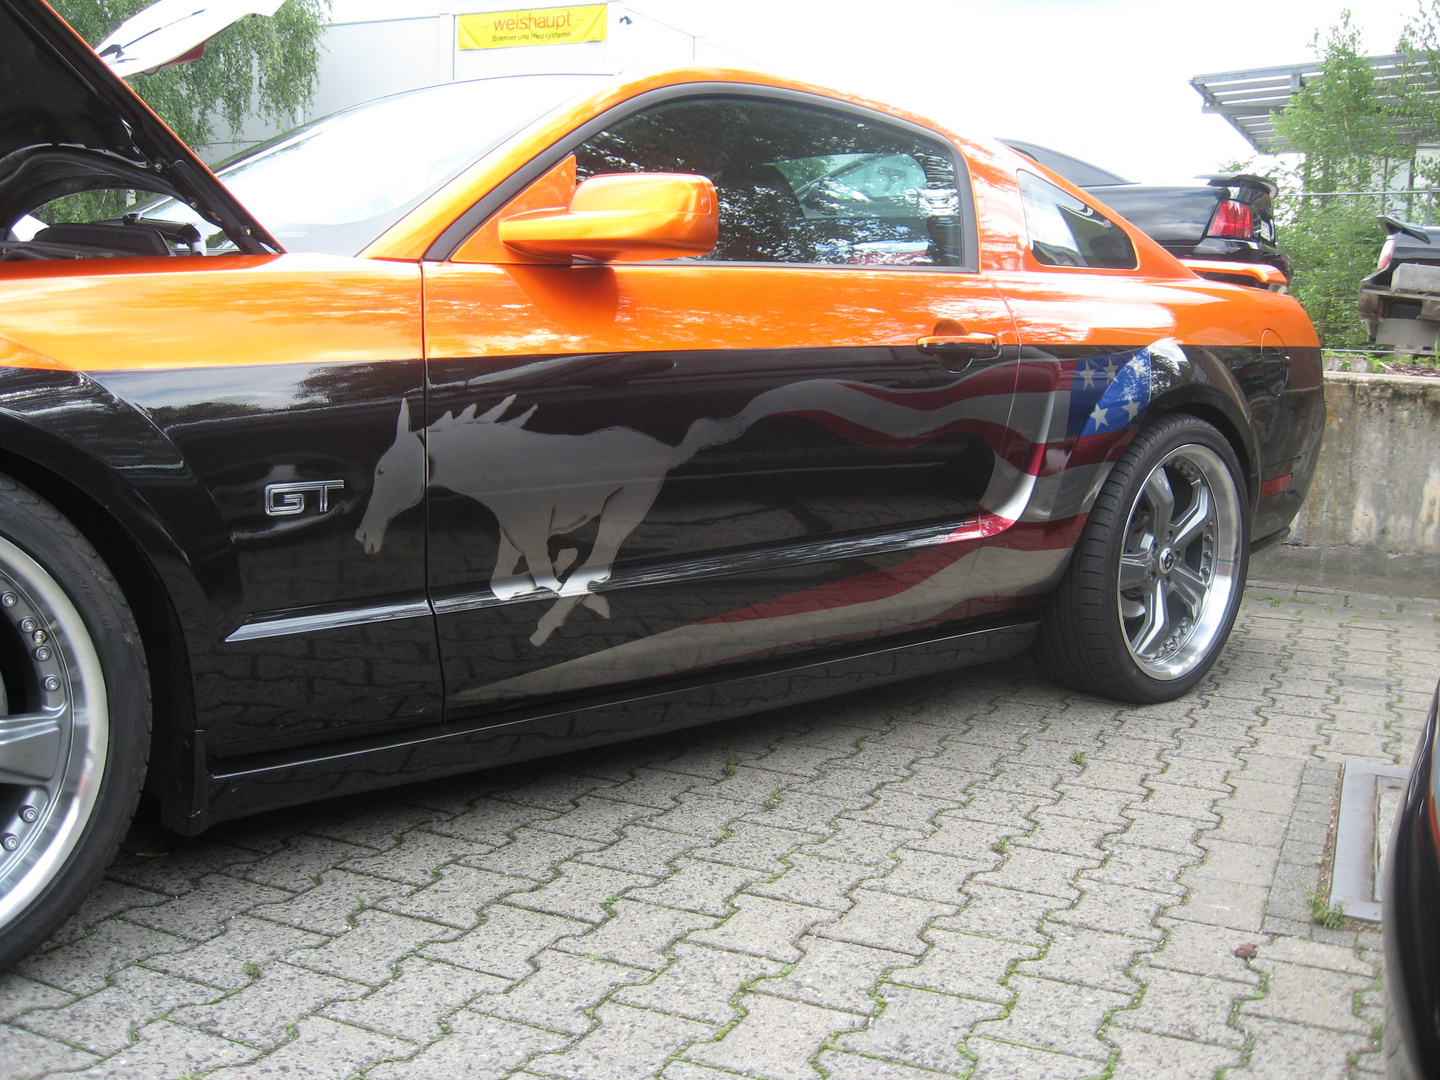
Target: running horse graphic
{"points": [[540, 486]]}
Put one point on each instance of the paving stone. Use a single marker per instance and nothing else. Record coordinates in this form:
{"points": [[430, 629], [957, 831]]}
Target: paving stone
{"points": [[560, 993], [921, 1029], [102, 1022], [698, 815], [1088, 957], [702, 983], [81, 967], [901, 809], [942, 783], [1056, 1016], [457, 898], [416, 859], [476, 1048], [1003, 913], [18, 995], [653, 788], [1247, 826], [412, 1005], [1034, 870], [626, 1043], [175, 872], [756, 847], [1202, 949], [764, 927], [580, 892], [298, 864], [262, 1013], [1186, 1006], [1117, 909], [790, 809], [638, 934], [233, 959], [775, 1039], [1226, 860], [1311, 996], [329, 907], [504, 943], [202, 913], [370, 951], [1224, 903], [1143, 867], [835, 974], [23, 1055], [1283, 1051], [963, 839], [839, 1066], [322, 1049], [816, 881], [380, 825], [490, 822], [923, 875], [1144, 1056], [862, 842], [1006, 1061], [532, 854], [108, 899], [554, 790], [1066, 834], [705, 887], [644, 850], [967, 964], [884, 921]]}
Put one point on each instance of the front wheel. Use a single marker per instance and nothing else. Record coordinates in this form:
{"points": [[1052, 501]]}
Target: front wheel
{"points": [[74, 718], [1154, 584]]}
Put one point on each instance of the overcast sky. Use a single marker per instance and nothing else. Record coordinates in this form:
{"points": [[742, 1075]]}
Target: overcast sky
{"points": [[1104, 80]]}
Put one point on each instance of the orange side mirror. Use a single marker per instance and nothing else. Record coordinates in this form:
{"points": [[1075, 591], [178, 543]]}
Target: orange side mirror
{"points": [[625, 217]]}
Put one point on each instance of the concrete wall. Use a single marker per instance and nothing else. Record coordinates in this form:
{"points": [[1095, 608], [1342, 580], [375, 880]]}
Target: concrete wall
{"points": [[1372, 519]]}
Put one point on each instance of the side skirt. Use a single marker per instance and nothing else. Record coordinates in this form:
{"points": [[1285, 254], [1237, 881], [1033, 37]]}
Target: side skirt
{"points": [[272, 781]]}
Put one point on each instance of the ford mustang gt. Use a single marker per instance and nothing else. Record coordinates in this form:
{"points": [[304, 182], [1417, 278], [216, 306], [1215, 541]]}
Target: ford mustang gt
{"points": [[523, 415]]}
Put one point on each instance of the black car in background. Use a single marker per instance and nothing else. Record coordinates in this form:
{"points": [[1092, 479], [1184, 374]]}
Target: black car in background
{"points": [[1400, 301], [1228, 218], [1411, 923]]}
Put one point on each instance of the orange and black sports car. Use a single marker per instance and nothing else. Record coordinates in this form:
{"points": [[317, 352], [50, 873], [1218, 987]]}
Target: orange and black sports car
{"points": [[524, 415]]}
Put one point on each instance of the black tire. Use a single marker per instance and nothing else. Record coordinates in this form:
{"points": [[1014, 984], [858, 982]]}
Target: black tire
{"points": [[1141, 615], [75, 726]]}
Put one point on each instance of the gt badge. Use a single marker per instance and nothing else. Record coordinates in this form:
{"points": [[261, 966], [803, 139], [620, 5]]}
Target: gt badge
{"points": [[286, 500]]}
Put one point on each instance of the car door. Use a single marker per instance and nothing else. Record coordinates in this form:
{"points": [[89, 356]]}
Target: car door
{"points": [[643, 471]]}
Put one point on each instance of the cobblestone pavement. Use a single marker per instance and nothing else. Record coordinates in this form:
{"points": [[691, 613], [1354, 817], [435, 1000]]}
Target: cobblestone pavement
{"points": [[974, 875]]}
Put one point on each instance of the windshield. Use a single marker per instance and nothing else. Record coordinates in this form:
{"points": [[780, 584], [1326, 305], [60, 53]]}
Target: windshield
{"points": [[336, 184]]}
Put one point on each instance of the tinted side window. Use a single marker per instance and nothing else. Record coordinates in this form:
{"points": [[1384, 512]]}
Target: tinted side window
{"points": [[1067, 232], [798, 184]]}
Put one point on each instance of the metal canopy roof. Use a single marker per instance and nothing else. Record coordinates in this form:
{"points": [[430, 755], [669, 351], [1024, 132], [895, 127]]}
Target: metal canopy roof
{"points": [[1251, 99]]}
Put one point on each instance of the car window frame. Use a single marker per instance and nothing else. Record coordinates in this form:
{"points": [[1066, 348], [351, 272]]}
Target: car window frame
{"points": [[1110, 216], [450, 240]]}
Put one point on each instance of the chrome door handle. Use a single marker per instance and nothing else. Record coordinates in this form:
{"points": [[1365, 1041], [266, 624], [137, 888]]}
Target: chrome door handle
{"points": [[970, 346]]}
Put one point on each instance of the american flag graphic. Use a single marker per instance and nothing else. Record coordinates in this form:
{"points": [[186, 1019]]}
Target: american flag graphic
{"points": [[1068, 419]]}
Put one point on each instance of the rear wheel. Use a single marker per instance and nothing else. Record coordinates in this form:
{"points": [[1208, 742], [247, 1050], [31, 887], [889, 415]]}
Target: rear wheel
{"points": [[1154, 584], [74, 718]]}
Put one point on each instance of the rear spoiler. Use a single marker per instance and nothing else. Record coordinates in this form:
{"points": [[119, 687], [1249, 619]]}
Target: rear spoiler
{"points": [[1258, 275], [1240, 180]]}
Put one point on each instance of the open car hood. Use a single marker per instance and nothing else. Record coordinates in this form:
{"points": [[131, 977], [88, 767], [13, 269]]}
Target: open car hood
{"points": [[69, 124], [171, 31]]}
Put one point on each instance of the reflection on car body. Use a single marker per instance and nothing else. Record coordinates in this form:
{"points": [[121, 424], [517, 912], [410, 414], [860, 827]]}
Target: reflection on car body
{"points": [[693, 393]]}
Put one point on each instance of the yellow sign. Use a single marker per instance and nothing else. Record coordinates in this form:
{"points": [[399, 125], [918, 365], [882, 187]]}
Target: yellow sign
{"points": [[538, 26]]}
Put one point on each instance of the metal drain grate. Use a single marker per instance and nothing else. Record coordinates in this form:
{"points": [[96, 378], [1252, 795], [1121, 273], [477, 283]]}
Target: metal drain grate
{"points": [[1369, 798]]}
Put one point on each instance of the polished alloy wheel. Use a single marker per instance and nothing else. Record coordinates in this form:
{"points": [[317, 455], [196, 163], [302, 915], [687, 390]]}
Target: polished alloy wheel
{"points": [[1180, 562], [55, 734]]}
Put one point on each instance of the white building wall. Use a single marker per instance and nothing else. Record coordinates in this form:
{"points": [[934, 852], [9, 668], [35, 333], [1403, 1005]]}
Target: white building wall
{"points": [[369, 53]]}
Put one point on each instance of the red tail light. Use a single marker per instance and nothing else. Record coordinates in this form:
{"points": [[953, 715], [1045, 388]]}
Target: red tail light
{"points": [[1386, 252], [1232, 219]]}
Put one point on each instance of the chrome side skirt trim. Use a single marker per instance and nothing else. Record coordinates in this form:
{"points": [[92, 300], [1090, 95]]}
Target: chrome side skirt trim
{"points": [[775, 557], [757, 560], [268, 626]]}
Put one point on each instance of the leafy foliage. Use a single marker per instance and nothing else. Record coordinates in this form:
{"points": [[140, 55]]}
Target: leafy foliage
{"points": [[261, 67], [1347, 131]]}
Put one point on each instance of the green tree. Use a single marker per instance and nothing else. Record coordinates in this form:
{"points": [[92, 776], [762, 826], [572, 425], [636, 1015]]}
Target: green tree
{"points": [[1345, 130], [260, 67]]}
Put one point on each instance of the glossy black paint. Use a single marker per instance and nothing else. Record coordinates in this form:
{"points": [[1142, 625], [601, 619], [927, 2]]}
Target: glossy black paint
{"points": [[287, 779], [1411, 923], [783, 486]]}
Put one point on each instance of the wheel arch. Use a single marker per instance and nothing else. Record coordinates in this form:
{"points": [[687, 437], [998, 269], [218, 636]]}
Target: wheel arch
{"points": [[1226, 413]]}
